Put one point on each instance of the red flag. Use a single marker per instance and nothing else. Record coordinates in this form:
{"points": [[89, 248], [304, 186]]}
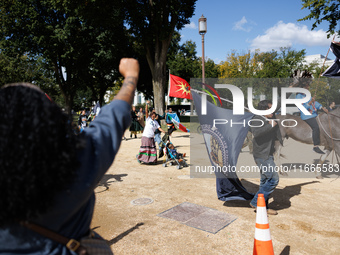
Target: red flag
{"points": [[179, 87]]}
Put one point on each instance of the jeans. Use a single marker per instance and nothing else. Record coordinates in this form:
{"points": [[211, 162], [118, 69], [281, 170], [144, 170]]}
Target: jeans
{"points": [[269, 178], [315, 130], [158, 139]]}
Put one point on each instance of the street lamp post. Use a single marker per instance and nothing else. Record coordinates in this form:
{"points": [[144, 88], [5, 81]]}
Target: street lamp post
{"points": [[202, 29]]}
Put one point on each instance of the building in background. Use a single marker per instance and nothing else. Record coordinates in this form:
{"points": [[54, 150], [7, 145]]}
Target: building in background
{"points": [[319, 59], [138, 99]]}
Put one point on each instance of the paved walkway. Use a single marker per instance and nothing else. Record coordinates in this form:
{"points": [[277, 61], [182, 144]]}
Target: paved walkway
{"points": [[307, 223]]}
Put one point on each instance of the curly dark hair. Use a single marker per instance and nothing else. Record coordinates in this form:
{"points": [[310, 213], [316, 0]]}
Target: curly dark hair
{"points": [[37, 152], [263, 105]]}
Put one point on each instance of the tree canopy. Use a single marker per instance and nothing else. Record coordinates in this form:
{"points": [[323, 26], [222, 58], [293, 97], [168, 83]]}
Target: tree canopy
{"points": [[73, 48], [82, 42], [153, 23], [323, 10]]}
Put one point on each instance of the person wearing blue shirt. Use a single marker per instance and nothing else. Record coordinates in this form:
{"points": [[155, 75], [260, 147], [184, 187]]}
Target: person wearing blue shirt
{"points": [[312, 106], [49, 174]]}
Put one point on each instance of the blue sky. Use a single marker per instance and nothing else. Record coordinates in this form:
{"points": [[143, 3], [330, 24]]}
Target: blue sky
{"points": [[247, 25]]}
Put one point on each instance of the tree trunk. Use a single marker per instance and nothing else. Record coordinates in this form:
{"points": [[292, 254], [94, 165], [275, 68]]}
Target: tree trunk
{"points": [[158, 81], [157, 64], [64, 86], [68, 101]]}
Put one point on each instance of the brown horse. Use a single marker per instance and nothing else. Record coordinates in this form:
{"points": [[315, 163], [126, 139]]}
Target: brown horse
{"points": [[329, 125]]}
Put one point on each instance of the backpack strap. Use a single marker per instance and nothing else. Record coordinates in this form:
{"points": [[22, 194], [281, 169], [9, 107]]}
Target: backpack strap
{"points": [[70, 243]]}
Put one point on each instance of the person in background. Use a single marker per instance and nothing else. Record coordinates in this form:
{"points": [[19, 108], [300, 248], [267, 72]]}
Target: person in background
{"points": [[169, 123], [140, 115], [147, 152], [331, 107], [263, 151], [175, 153], [158, 138], [82, 121], [134, 124], [49, 174], [312, 106]]}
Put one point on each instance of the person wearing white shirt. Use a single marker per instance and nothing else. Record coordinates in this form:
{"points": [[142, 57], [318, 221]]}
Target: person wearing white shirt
{"points": [[147, 151]]}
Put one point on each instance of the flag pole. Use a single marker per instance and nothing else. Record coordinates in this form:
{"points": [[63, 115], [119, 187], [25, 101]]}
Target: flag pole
{"points": [[168, 99], [323, 65], [325, 58]]}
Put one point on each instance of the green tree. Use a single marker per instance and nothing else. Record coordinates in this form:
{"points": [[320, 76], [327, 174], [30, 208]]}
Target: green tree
{"points": [[182, 59], [289, 61], [268, 64], [16, 69], [211, 69], [153, 23], [82, 38], [27, 68], [271, 64], [323, 10], [238, 65]]}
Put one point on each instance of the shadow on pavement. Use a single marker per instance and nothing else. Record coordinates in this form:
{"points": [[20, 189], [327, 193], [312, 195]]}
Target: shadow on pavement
{"points": [[122, 235], [286, 250], [108, 179], [281, 196]]}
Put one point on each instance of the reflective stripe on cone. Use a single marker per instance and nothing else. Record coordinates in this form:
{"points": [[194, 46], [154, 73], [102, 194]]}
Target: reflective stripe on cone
{"points": [[262, 242]]}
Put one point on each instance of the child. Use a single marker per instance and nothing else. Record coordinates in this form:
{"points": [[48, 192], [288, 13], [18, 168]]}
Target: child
{"points": [[174, 152]]}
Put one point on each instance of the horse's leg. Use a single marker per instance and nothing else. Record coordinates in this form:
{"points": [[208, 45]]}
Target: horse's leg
{"points": [[277, 153], [321, 161], [250, 142], [277, 157]]}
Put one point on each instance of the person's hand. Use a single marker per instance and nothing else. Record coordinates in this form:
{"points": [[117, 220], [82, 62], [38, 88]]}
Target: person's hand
{"points": [[129, 67], [148, 102], [273, 123]]}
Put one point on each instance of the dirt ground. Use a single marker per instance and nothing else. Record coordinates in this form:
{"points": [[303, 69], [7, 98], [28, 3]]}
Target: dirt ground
{"points": [[307, 223]]}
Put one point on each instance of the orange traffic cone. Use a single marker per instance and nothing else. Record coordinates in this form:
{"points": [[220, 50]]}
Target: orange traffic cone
{"points": [[262, 242]]}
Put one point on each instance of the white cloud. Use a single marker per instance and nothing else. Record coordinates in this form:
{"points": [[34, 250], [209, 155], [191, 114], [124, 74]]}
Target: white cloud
{"points": [[243, 25], [286, 35], [192, 25]]}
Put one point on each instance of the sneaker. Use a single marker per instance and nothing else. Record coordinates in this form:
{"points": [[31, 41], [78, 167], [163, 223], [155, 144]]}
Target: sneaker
{"points": [[272, 212], [318, 150]]}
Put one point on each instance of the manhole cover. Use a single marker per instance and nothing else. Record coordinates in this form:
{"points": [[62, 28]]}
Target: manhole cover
{"points": [[199, 217], [184, 177], [142, 201]]}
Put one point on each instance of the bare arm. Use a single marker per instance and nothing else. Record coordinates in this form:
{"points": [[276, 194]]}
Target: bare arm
{"points": [[129, 68], [160, 129]]}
